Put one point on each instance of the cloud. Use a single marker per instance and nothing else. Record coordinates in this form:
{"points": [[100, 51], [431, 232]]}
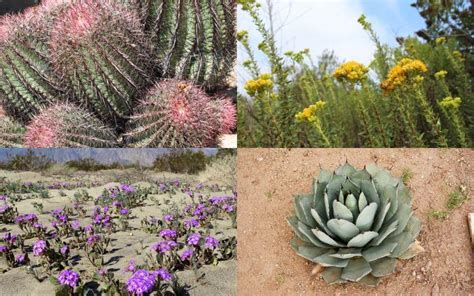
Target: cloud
{"points": [[317, 25]]}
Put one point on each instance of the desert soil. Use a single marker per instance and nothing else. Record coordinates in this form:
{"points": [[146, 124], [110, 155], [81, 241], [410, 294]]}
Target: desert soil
{"points": [[218, 280], [268, 179]]}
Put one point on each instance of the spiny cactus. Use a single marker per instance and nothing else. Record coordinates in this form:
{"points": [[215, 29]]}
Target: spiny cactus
{"points": [[11, 133], [27, 82], [101, 50], [195, 39], [65, 125], [356, 224], [227, 114], [176, 114]]}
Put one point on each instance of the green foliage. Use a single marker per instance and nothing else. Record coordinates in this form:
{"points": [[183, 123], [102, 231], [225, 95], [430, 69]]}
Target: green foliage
{"points": [[407, 174], [356, 223], [92, 165], [456, 198], [30, 161], [409, 102], [438, 214], [181, 161], [194, 40], [11, 133]]}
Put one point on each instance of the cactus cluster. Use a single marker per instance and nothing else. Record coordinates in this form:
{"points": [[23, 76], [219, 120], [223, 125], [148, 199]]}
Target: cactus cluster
{"points": [[178, 114], [110, 58], [11, 133], [195, 40], [65, 125], [355, 223]]}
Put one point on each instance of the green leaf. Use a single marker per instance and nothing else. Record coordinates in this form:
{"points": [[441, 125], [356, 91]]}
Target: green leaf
{"points": [[325, 175], [323, 237], [341, 211], [347, 253], [386, 230], [362, 201], [303, 205], [366, 217], [326, 206], [380, 251], [326, 260], [370, 192], [402, 216], [351, 186], [362, 239], [343, 229], [356, 269], [310, 252], [351, 204], [332, 275], [372, 169], [320, 222], [293, 222], [341, 197], [383, 266], [404, 241], [307, 232], [318, 200], [380, 218], [370, 280], [345, 170]]}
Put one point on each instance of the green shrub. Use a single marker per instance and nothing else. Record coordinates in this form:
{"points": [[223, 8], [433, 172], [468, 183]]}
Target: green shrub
{"points": [[179, 161]]}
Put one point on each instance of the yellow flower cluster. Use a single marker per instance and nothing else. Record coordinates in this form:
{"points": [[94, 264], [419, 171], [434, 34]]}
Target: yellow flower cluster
{"points": [[405, 69], [441, 74], [450, 102], [309, 113], [262, 83], [351, 71], [440, 40]]}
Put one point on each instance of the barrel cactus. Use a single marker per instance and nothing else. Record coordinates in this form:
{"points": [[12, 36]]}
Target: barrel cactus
{"points": [[100, 49], [356, 224], [65, 125], [175, 114], [11, 133], [195, 40], [27, 80], [226, 113]]}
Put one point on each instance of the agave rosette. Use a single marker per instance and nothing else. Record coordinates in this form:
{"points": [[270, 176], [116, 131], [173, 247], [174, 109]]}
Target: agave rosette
{"points": [[356, 224]]}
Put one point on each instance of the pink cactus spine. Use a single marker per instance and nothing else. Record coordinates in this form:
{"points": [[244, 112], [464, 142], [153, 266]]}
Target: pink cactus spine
{"points": [[228, 115]]}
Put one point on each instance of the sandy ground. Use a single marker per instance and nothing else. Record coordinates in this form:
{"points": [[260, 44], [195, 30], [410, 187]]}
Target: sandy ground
{"points": [[268, 179], [218, 280]]}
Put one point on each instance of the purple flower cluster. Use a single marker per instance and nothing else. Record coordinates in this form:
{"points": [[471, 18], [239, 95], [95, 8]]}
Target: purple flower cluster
{"points": [[127, 188], [4, 208], [39, 247], [188, 224], [64, 250], [131, 265], [141, 282], [20, 258], [228, 208], [9, 238], [163, 274], [124, 211], [3, 249], [164, 246], [193, 239], [168, 233], [188, 253], [211, 243], [218, 199], [93, 239], [168, 218], [69, 278], [27, 218]]}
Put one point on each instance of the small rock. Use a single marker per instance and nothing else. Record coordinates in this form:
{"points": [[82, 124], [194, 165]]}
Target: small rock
{"points": [[435, 290], [259, 158]]}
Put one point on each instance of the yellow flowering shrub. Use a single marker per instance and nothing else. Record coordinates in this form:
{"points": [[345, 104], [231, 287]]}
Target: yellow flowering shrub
{"points": [[450, 102], [440, 40], [401, 72], [309, 113], [351, 71], [441, 74], [262, 83]]}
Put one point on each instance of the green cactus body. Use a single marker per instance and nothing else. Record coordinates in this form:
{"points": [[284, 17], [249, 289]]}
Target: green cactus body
{"points": [[27, 81], [101, 50], [11, 133], [194, 40], [66, 125], [176, 114], [356, 224]]}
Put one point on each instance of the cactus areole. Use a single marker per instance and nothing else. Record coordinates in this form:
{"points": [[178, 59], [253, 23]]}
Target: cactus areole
{"points": [[355, 223]]}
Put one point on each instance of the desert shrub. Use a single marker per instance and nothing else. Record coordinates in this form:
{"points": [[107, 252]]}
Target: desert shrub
{"points": [[222, 170], [417, 94], [179, 161], [30, 161]]}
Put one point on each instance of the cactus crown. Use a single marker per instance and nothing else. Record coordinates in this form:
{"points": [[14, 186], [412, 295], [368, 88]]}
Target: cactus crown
{"points": [[355, 223], [65, 125]]}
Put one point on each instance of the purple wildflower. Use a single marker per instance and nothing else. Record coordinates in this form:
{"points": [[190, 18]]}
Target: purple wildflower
{"points": [[3, 197], [3, 249], [191, 223], [131, 266], [168, 218], [20, 258], [168, 233], [117, 204], [39, 247], [211, 243], [127, 188], [93, 239], [163, 274], [4, 208], [193, 239], [64, 250], [141, 282], [76, 225], [186, 254], [228, 208], [164, 246], [124, 211], [69, 278]]}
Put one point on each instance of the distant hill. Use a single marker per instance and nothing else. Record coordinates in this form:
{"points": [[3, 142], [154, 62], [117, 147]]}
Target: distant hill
{"points": [[106, 156]]}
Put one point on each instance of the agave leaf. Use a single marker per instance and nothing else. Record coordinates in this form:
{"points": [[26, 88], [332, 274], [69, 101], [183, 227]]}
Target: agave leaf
{"points": [[356, 269], [402, 216], [404, 196], [323, 237], [334, 187], [384, 178], [320, 222], [369, 191], [391, 192], [351, 204], [384, 232], [366, 217], [404, 241], [326, 206], [310, 252], [360, 175], [347, 253], [387, 194], [414, 249], [326, 260], [332, 275], [293, 222], [345, 170], [370, 280], [413, 226], [341, 211], [380, 218], [318, 200], [351, 186], [341, 197], [383, 266], [303, 205], [380, 251], [362, 239], [362, 201], [307, 232], [343, 229], [373, 169]]}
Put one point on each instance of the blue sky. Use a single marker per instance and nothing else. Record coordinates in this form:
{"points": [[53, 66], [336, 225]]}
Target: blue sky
{"points": [[332, 25]]}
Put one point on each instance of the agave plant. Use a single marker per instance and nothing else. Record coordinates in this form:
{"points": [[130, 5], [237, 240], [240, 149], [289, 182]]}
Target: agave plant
{"points": [[356, 224]]}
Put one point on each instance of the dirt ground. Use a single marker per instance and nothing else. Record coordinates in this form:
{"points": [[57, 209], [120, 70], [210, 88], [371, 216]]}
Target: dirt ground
{"points": [[268, 179], [218, 280]]}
